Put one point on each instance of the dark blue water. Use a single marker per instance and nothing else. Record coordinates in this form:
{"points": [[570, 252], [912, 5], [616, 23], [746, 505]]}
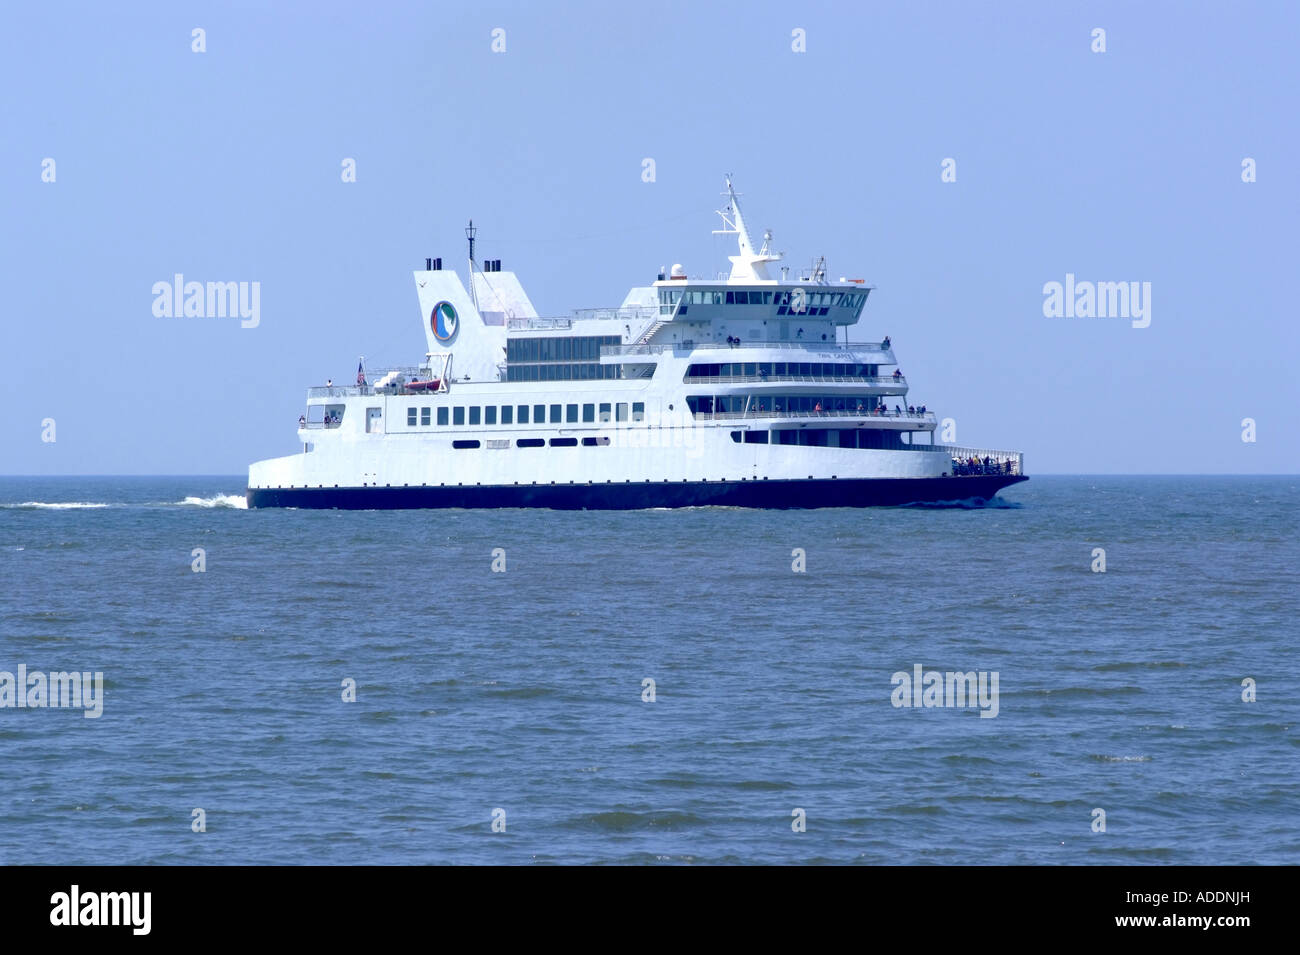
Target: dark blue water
{"points": [[523, 690]]}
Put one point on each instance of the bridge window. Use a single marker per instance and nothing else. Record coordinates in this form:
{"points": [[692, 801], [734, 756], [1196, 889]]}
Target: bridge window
{"points": [[539, 414], [474, 416], [604, 411], [588, 413], [442, 417], [490, 414], [425, 418], [410, 417], [638, 410], [555, 414], [622, 411], [571, 414], [507, 414], [457, 416]]}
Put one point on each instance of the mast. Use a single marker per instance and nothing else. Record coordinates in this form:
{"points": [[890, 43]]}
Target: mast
{"points": [[748, 266], [470, 232]]}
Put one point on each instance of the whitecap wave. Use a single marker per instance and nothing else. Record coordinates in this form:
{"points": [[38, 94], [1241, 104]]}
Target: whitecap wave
{"points": [[236, 501], [969, 504], [57, 505]]}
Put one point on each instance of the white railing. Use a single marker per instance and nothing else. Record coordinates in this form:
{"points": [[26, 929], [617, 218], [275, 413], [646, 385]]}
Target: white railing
{"points": [[900, 381], [539, 323], [623, 313], [977, 461], [628, 313], [913, 416], [796, 345]]}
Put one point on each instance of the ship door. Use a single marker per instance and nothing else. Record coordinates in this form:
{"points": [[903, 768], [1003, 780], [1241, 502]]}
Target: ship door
{"points": [[374, 420]]}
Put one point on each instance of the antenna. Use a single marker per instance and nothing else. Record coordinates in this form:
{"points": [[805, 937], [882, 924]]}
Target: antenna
{"points": [[470, 232]]}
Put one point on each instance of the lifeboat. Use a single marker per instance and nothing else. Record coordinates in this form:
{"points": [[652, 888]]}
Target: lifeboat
{"points": [[430, 385]]}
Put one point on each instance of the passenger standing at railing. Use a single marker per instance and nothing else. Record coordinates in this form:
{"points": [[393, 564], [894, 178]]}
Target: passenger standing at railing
{"points": [[885, 343]]}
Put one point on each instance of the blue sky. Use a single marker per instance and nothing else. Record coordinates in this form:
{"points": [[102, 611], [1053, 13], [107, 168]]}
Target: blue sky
{"points": [[225, 166]]}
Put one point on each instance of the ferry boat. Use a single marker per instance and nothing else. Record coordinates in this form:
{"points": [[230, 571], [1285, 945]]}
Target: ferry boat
{"points": [[742, 389]]}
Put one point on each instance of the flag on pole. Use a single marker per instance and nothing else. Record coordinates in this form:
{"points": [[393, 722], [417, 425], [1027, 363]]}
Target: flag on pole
{"points": [[361, 375]]}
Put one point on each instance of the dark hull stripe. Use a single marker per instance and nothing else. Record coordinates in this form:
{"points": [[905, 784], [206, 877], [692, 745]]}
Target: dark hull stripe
{"points": [[768, 494]]}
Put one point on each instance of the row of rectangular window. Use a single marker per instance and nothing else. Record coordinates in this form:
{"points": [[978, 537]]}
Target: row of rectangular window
{"points": [[738, 404], [590, 442], [554, 371], [811, 299], [569, 348], [519, 414], [865, 438], [795, 368]]}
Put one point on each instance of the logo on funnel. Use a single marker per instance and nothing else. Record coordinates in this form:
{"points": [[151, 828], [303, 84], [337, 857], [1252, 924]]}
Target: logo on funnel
{"points": [[445, 322]]}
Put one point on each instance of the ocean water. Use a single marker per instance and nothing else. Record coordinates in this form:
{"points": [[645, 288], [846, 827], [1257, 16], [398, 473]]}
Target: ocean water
{"points": [[522, 690]]}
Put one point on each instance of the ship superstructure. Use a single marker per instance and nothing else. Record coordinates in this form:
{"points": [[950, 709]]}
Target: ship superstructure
{"points": [[739, 390]]}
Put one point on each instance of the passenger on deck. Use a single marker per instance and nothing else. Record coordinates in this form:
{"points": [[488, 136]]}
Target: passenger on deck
{"points": [[897, 374], [885, 343], [302, 420]]}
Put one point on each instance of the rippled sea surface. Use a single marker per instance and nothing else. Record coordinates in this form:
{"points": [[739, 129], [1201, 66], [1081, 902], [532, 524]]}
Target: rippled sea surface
{"points": [[523, 691]]}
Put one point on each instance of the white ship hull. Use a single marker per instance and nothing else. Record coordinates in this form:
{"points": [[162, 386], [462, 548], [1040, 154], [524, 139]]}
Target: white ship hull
{"points": [[640, 466]]}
